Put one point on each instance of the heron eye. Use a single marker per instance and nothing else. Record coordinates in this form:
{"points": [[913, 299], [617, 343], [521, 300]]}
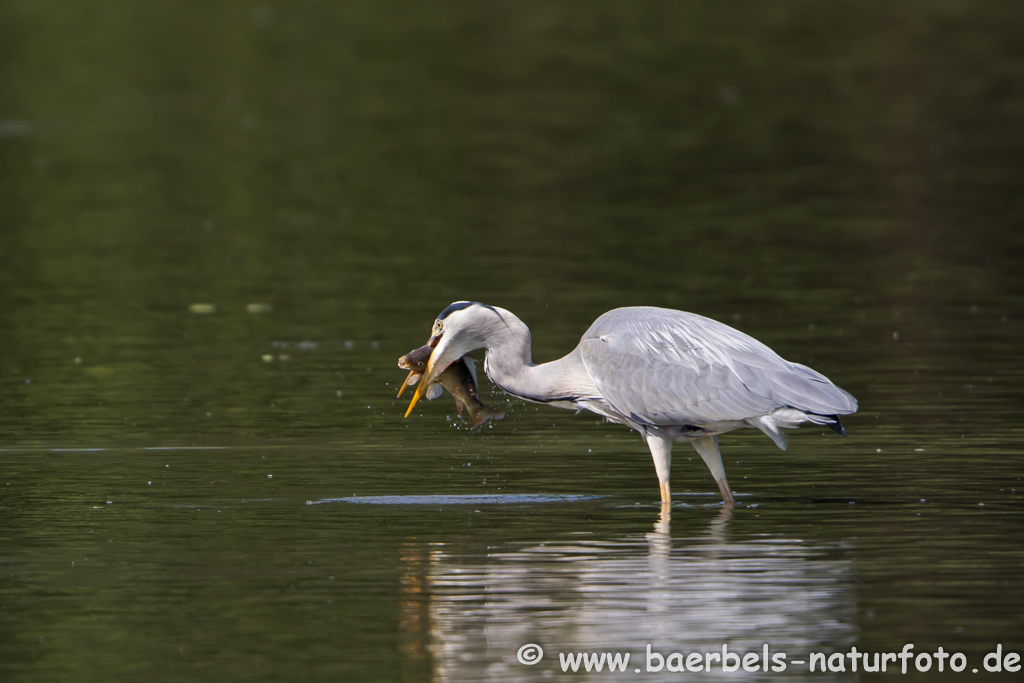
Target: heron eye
{"points": [[438, 328]]}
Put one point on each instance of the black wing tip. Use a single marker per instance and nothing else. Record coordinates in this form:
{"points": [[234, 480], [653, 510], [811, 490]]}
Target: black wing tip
{"points": [[836, 425]]}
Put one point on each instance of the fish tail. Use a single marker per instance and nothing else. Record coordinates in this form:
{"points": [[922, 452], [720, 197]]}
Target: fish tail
{"points": [[485, 415]]}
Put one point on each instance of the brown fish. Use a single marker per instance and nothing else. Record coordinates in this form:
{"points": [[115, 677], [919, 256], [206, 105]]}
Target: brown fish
{"points": [[416, 363], [458, 378]]}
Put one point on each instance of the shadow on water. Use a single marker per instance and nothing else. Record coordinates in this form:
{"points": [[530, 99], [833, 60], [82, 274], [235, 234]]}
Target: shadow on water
{"points": [[492, 499]]}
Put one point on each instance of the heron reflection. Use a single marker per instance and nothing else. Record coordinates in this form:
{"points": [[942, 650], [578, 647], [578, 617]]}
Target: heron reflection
{"points": [[466, 613]]}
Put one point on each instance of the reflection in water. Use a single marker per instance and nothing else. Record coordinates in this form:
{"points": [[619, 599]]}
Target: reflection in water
{"points": [[471, 614]]}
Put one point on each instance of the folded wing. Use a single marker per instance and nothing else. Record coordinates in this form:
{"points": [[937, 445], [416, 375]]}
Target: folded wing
{"points": [[663, 367]]}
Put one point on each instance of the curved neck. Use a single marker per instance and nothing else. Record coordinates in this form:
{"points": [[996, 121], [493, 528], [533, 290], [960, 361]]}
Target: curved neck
{"points": [[509, 364]]}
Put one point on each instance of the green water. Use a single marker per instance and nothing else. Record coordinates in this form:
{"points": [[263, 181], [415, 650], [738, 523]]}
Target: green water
{"points": [[221, 224]]}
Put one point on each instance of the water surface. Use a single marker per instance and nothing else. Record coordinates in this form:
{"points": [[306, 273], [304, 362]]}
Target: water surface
{"points": [[221, 224]]}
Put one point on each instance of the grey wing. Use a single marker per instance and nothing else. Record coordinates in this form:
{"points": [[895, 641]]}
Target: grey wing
{"points": [[663, 367]]}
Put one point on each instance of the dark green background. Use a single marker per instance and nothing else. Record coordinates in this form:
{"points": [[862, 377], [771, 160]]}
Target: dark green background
{"points": [[841, 180]]}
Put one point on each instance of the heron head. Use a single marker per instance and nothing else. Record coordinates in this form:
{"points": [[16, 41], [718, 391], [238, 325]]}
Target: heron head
{"points": [[459, 329]]}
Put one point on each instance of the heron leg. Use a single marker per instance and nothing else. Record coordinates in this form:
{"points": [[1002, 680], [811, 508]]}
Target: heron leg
{"points": [[661, 448], [707, 447]]}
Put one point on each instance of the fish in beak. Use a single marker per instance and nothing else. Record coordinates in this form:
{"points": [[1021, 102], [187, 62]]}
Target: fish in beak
{"points": [[458, 377], [416, 363], [429, 374]]}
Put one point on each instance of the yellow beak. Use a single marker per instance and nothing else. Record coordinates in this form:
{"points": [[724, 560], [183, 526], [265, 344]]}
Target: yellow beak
{"points": [[421, 388], [405, 383]]}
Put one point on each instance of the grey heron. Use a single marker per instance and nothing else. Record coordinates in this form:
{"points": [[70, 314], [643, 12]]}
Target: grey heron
{"points": [[670, 375]]}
